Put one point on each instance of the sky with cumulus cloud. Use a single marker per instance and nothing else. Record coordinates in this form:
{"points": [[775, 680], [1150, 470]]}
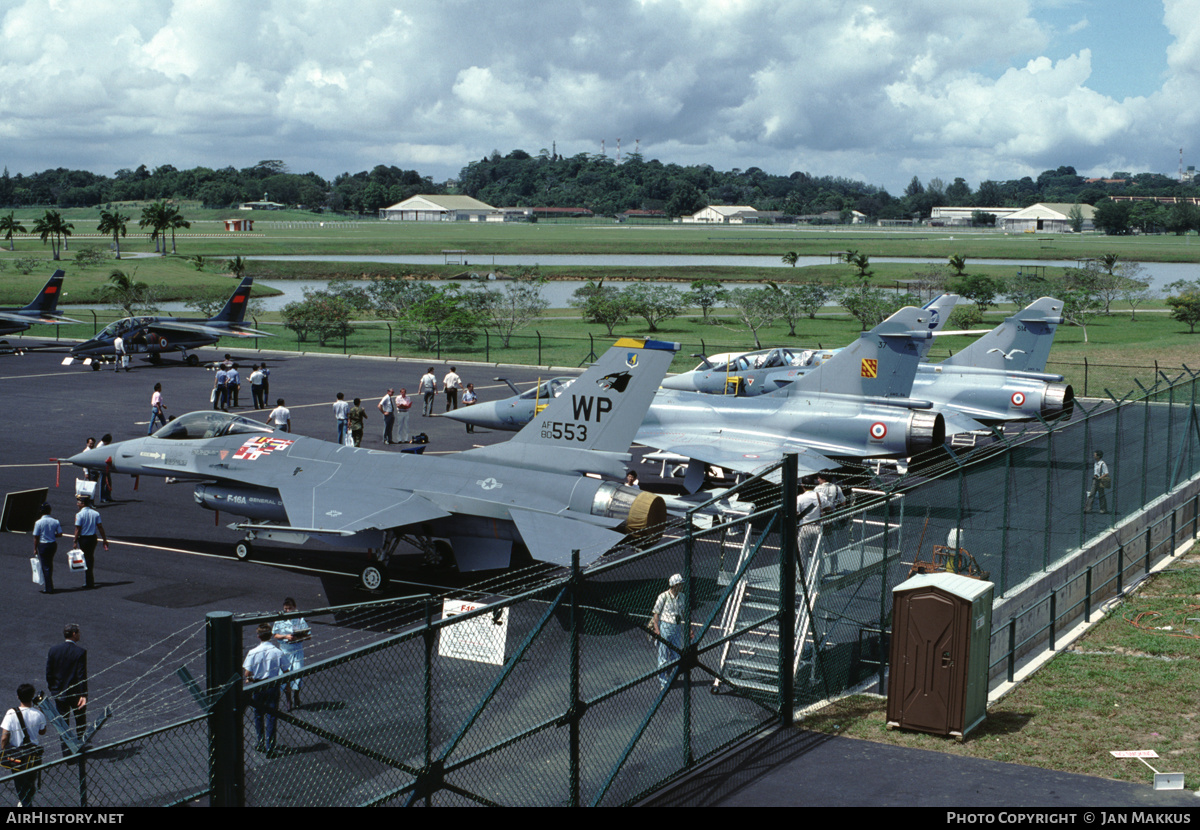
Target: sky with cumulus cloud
{"points": [[866, 90]]}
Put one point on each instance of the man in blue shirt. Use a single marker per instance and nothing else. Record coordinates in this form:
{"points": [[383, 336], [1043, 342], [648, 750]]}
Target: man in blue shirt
{"points": [[46, 531], [265, 661], [87, 527]]}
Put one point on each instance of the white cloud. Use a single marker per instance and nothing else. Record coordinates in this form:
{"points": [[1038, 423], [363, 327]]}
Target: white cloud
{"points": [[857, 88]]}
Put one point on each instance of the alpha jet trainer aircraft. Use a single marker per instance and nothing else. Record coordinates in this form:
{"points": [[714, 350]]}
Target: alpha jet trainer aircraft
{"points": [[854, 405], [154, 336], [42, 310], [997, 378], [536, 490]]}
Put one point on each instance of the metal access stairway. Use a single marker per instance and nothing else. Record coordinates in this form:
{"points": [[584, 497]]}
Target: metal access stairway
{"points": [[750, 660]]}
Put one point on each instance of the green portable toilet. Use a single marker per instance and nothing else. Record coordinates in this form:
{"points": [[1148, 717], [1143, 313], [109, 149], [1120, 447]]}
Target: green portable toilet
{"points": [[941, 630]]}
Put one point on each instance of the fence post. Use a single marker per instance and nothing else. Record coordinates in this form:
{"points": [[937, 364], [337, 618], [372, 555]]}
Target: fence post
{"points": [[389, 325], [1087, 597], [437, 333], [539, 337], [574, 707], [226, 767], [1053, 615], [487, 346], [787, 589], [1012, 649], [428, 638], [1085, 376], [689, 648]]}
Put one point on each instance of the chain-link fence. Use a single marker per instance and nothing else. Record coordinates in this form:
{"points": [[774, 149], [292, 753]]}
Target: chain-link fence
{"points": [[556, 687]]}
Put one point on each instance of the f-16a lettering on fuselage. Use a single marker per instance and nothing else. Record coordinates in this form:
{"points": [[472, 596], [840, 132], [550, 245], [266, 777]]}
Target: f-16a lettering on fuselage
{"points": [[43, 309], [549, 490], [154, 336], [998, 378]]}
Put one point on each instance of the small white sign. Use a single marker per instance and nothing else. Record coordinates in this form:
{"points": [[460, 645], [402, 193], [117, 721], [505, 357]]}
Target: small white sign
{"points": [[1134, 753], [481, 639]]}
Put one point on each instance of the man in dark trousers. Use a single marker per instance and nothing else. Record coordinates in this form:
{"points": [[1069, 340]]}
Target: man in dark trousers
{"points": [[67, 679]]}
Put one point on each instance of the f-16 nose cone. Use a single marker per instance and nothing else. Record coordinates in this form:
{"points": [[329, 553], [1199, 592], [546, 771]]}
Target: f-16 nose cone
{"points": [[97, 458]]}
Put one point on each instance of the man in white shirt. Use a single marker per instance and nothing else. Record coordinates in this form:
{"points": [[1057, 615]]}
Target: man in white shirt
{"points": [[403, 405], [1100, 482], [22, 727], [280, 417], [452, 383], [388, 407], [266, 660], [341, 412]]}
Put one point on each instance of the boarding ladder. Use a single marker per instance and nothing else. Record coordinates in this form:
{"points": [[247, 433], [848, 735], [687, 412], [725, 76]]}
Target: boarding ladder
{"points": [[751, 659]]}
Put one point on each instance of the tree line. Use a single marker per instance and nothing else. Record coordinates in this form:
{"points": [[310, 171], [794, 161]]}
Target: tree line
{"points": [[598, 183]]}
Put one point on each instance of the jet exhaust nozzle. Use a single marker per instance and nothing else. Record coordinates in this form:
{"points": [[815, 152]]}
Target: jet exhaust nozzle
{"points": [[642, 514], [1059, 401], [926, 430]]}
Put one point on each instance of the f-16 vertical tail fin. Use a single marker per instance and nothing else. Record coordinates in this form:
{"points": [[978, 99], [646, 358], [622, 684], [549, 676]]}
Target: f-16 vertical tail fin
{"points": [[45, 304], [605, 407], [882, 362], [599, 414], [235, 308], [1019, 344]]}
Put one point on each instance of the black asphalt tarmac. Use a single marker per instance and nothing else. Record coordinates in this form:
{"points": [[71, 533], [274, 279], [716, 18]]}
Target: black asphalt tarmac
{"points": [[170, 563]]}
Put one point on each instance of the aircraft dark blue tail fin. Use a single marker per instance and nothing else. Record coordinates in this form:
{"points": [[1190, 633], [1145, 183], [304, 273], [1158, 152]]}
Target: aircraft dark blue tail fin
{"points": [[882, 362], [1019, 344], [235, 309], [46, 302]]}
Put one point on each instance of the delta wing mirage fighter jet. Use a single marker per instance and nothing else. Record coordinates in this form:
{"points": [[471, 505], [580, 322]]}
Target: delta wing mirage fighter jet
{"points": [[854, 405], [534, 491], [42, 310], [997, 378], [155, 336]]}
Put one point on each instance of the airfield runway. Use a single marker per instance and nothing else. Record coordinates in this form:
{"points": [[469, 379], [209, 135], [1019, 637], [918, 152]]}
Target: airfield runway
{"points": [[170, 564]]}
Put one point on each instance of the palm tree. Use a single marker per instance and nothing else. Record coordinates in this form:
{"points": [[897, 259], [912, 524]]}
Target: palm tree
{"points": [[10, 225], [790, 258], [154, 217], [237, 266], [173, 220], [958, 262], [52, 227], [113, 222], [126, 292]]}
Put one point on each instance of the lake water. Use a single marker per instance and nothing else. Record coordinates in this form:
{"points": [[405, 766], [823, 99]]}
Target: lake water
{"points": [[558, 292]]}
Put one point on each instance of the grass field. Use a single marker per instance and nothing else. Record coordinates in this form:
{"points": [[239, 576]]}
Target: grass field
{"points": [[1128, 684], [1114, 340], [277, 232]]}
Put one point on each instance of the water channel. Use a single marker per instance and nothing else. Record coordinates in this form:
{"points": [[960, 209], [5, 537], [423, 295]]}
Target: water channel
{"points": [[558, 292]]}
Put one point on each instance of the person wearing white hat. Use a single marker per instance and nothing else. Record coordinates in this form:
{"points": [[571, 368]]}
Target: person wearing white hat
{"points": [[668, 624]]}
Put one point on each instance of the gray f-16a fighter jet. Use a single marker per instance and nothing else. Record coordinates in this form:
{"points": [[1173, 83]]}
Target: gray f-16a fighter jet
{"points": [[997, 378], [854, 405], [154, 336], [41, 310], [477, 505]]}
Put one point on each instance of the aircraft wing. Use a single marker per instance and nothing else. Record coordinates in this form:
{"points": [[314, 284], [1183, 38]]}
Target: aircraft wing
{"points": [[35, 318], [353, 504], [331, 497], [208, 331], [740, 452], [957, 422]]}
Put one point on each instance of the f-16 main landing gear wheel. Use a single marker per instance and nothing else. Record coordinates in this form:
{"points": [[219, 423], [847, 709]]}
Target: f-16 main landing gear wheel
{"points": [[243, 551], [373, 577], [95, 365]]}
